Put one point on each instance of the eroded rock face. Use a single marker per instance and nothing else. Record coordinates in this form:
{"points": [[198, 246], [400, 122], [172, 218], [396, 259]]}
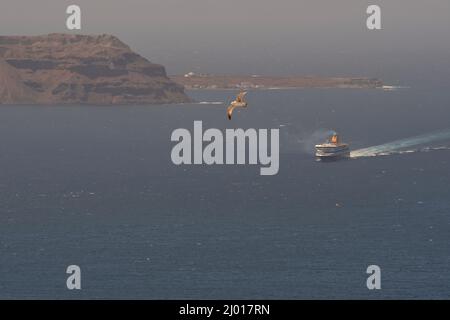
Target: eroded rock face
{"points": [[79, 69]]}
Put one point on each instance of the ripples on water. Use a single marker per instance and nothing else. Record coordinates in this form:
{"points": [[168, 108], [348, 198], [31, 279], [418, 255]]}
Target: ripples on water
{"points": [[94, 186]]}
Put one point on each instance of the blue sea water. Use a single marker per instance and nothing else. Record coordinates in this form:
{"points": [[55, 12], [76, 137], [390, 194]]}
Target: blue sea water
{"points": [[95, 187]]}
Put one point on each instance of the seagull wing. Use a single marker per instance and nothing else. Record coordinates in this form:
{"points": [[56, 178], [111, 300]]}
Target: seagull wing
{"points": [[240, 97], [230, 111]]}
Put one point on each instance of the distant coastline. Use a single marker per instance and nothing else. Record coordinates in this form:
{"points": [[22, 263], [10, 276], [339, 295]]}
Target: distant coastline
{"points": [[259, 82]]}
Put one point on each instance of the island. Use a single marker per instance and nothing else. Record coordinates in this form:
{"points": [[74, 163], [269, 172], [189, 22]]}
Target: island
{"points": [[193, 80], [80, 69]]}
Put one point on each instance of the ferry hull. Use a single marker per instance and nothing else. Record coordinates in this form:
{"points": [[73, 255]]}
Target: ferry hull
{"points": [[332, 156]]}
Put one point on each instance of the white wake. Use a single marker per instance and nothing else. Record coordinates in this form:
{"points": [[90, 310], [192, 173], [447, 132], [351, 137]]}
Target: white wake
{"points": [[395, 147]]}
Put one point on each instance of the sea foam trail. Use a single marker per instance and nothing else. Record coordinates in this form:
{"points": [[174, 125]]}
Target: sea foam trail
{"points": [[210, 102], [393, 146]]}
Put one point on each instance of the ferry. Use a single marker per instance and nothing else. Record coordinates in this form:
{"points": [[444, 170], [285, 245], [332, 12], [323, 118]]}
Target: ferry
{"points": [[332, 149]]}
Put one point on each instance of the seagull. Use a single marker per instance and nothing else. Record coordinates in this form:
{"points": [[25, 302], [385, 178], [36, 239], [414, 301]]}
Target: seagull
{"points": [[238, 103]]}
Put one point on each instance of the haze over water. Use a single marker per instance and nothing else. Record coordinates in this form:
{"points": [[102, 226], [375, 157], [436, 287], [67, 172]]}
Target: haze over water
{"points": [[286, 37]]}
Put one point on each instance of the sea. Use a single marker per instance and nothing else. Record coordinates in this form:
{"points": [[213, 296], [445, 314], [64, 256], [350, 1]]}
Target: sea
{"points": [[94, 186]]}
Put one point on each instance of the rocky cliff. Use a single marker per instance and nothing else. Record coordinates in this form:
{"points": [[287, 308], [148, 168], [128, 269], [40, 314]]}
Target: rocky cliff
{"points": [[80, 69]]}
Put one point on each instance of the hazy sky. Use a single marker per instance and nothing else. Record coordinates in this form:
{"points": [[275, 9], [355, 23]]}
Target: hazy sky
{"points": [[324, 37]]}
